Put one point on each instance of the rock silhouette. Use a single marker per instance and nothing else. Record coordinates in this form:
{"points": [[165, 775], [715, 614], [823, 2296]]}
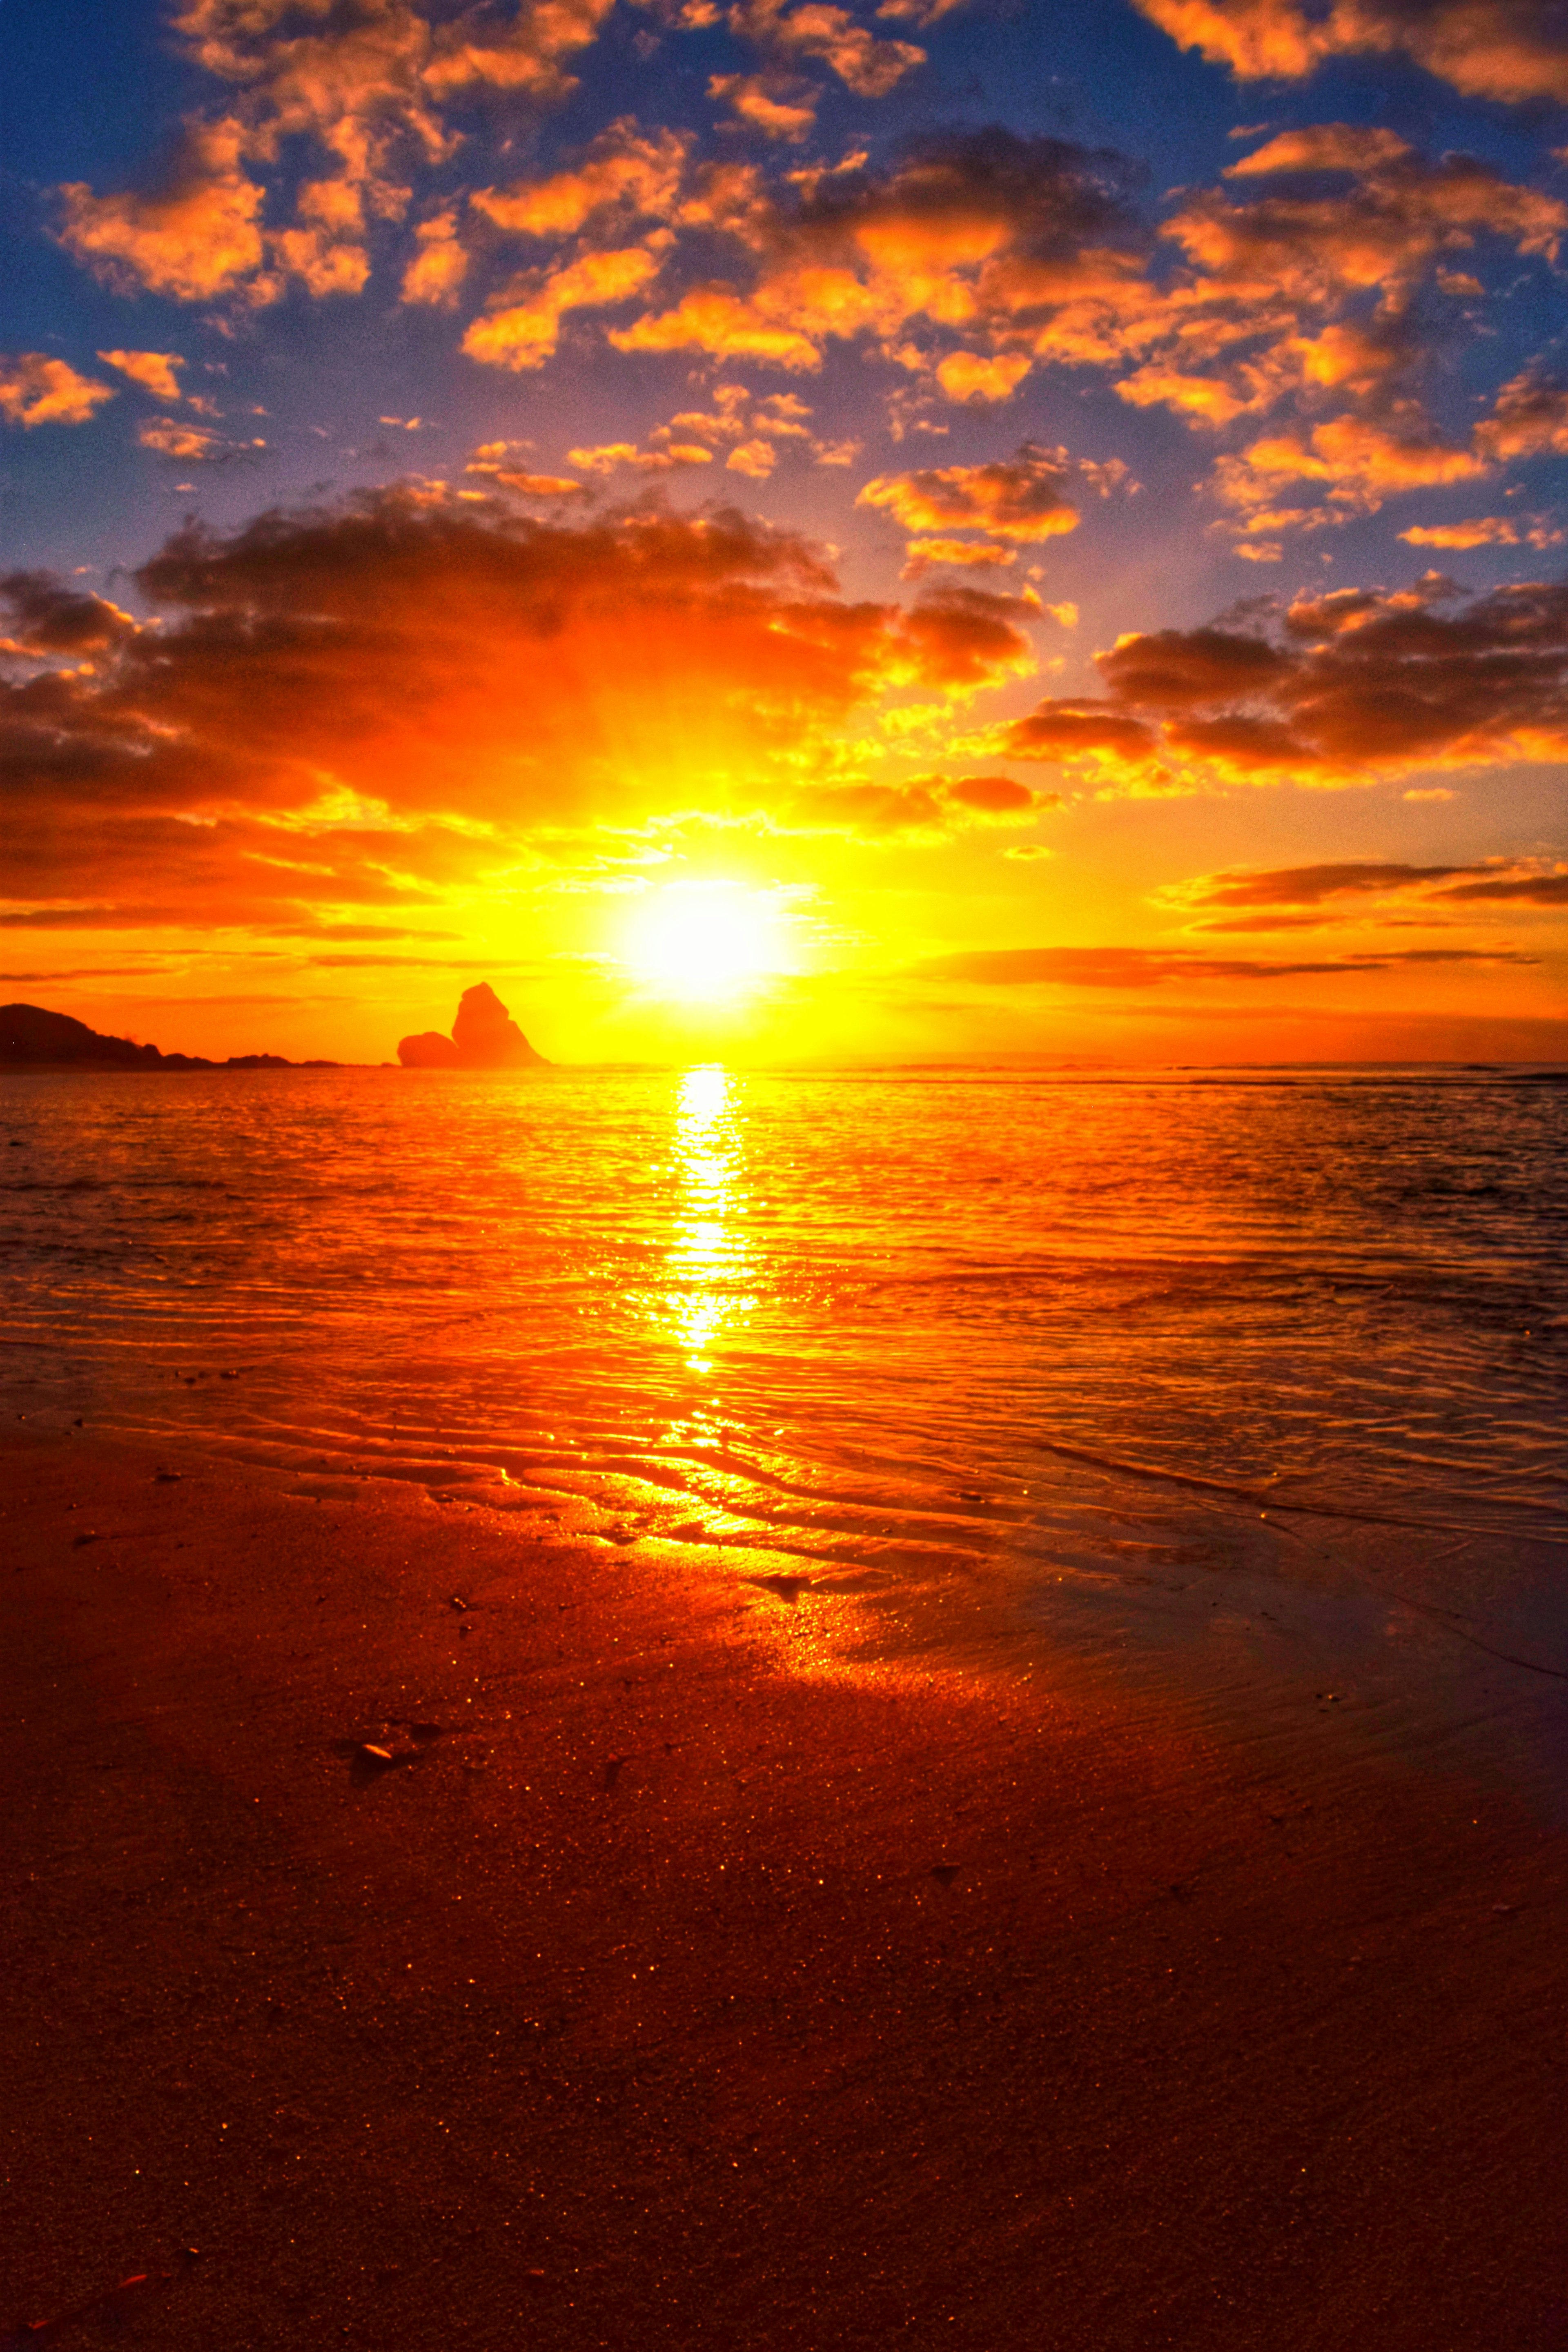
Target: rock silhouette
{"points": [[484, 1037]]}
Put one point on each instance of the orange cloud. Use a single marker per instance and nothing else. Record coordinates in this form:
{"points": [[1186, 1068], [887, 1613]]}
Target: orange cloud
{"points": [[175, 436], [323, 266], [196, 236], [922, 555], [869, 66], [1514, 50], [156, 372], [634, 173], [716, 320], [438, 266], [608, 456], [368, 704], [1022, 499], [757, 458], [1485, 531], [1528, 418], [964, 376], [367, 83], [38, 390], [986, 235], [759, 100], [522, 335]]}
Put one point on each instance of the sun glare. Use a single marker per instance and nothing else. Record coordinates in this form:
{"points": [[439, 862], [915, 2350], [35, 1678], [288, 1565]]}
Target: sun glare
{"points": [[705, 942]]}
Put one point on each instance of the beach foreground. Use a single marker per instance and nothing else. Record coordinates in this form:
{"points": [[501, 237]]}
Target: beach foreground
{"points": [[677, 1983]]}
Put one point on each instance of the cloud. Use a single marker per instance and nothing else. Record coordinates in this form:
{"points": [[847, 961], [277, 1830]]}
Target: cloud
{"points": [[984, 235], [1525, 889], [367, 82], [1315, 277], [869, 66], [922, 555], [1022, 499], [435, 275], [1512, 51], [177, 438], [38, 390], [1331, 690], [194, 237], [1528, 418], [634, 175], [348, 712], [758, 100], [1357, 892], [964, 638], [1485, 531], [522, 333], [715, 319], [757, 458], [608, 457], [935, 804], [43, 617], [155, 371], [1152, 967], [965, 377]]}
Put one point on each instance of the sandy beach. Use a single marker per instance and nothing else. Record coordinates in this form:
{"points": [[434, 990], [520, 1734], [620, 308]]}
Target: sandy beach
{"points": [[667, 1980]]}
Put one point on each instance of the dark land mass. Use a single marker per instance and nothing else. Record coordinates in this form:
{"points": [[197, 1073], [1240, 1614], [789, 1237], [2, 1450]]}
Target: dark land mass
{"points": [[433, 1926], [484, 1037], [32, 1038]]}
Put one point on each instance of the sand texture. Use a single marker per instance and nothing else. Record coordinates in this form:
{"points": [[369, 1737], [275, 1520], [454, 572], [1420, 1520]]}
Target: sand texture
{"points": [[673, 1985]]}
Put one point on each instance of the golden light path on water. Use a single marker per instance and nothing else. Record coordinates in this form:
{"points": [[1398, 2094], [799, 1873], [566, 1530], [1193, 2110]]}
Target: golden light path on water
{"points": [[709, 1256]]}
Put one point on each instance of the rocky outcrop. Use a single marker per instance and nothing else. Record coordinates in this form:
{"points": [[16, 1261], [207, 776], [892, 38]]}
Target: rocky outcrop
{"points": [[484, 1037], [32, 1038]]}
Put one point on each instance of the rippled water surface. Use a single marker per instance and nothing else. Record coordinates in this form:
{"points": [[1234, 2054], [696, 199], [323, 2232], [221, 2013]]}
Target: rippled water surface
{"points": [[1149, 1327]]}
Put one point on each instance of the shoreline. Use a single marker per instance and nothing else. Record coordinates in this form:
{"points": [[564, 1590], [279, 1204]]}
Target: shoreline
{"points": [[682, 1980]]}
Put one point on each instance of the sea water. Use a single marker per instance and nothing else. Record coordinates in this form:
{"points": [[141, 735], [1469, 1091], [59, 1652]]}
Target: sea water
{"points": [[1124, 1345]]}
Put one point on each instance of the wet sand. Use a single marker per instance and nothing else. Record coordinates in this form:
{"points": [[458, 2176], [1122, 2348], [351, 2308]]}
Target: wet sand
{"points": [[677, 1985]]}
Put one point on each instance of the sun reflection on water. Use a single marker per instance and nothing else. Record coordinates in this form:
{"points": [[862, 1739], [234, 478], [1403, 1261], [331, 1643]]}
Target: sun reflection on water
{"points": [[709, 1256]]}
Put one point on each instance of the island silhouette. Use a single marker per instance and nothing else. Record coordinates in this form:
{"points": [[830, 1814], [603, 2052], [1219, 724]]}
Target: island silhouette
{"points": [[484, 1037]]}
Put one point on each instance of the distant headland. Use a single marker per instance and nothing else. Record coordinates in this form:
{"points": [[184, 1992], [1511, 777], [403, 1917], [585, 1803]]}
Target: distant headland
{"points": [[32, 1038], [484, 1037]]}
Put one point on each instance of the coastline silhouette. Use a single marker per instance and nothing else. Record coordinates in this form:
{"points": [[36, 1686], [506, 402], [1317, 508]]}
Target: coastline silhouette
{"points": [[33, 1038]]}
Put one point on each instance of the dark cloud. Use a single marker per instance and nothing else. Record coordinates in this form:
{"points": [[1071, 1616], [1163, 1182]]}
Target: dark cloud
{"points": [[1529, 890], [1334, 690], [42, 615], [1309, 885]]}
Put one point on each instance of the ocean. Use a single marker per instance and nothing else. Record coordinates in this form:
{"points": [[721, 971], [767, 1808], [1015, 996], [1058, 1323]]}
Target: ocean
{"points": [[1129, 1356]]}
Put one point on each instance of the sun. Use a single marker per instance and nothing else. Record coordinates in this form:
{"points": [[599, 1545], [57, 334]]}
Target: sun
{"points": [[705, 942]]}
